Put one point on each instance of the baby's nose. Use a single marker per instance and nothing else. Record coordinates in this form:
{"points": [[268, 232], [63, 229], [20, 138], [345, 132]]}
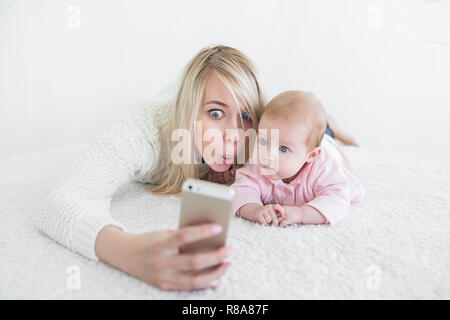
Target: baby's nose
{"points": [[268, 157]]}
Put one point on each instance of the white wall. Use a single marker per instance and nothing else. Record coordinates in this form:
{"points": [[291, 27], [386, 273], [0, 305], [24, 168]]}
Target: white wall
{"points": [[68, 69]]}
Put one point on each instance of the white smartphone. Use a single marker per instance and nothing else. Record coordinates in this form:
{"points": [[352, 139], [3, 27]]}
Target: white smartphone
{"points": [[202, 202]]}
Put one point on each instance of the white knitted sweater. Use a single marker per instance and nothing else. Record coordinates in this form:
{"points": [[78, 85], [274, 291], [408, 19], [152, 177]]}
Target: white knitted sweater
{"points": [[78, 206]]}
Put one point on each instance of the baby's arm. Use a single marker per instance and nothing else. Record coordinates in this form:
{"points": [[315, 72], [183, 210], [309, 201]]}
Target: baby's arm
{"points": [[332, 192], [301, 215], [247, 202], [331, 197], [247, 210]]}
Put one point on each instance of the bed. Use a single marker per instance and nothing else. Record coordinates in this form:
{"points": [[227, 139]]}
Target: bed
{"points": [[395, 244]]}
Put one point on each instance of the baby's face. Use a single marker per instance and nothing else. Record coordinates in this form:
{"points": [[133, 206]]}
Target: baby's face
{"points": [[282, 157]]}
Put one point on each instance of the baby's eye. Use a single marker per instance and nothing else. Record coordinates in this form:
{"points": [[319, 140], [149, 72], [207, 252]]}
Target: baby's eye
{"points": [[263, 141], [245, 116], [216, 114], [284, 149]]}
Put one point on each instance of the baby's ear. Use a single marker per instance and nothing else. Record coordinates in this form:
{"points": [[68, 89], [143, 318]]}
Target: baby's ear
{"points": [[314, 154]]}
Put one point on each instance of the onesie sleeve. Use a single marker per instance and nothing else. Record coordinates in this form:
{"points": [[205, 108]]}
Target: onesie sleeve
{"points": [[247, 188], [331, 190]]}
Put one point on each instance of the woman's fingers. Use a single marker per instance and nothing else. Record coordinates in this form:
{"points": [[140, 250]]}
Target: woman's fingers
{"points": [[201, 261], [200, 281], [193, 233]]}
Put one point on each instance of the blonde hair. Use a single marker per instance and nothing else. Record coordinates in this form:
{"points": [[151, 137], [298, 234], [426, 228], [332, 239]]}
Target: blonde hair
{"points": [[239, 76]]}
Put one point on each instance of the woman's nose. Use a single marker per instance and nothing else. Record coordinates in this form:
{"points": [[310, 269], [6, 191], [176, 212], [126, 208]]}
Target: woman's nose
{"points": [[232, 136], [233, 131]]}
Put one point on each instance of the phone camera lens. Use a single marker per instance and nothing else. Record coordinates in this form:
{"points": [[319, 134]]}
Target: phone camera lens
{"points": [[190, 187]]}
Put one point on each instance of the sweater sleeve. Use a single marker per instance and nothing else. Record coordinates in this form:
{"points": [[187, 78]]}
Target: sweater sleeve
{"points": [[78, 207]]}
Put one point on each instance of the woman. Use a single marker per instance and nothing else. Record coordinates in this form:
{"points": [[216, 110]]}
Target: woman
{"points": [[220, 88]]}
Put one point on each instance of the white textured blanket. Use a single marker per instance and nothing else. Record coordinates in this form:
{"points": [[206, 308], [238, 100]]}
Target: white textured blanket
{"points": [[395, 244]]}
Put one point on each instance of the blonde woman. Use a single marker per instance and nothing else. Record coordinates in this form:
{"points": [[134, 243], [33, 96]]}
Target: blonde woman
{"points": [[220, 88]]}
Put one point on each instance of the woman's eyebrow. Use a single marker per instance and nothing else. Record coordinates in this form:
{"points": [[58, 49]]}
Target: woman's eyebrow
{"points": [[217, 102]]}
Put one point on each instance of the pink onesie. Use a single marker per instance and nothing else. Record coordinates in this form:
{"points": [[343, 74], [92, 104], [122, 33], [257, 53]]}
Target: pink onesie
{"points": [[324, 184]]}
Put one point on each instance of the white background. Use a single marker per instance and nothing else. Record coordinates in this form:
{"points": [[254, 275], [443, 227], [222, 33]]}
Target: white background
{"points": [[69, 69]]}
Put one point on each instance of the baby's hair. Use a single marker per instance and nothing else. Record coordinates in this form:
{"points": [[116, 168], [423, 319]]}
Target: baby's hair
{"points": [[293, 106]]}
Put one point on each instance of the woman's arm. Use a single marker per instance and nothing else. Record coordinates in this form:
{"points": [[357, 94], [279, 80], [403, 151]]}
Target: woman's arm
{"points": [[76, 213], [78, 207], [154, 258]]}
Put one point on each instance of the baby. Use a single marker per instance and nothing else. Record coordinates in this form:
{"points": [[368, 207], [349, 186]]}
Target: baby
{"points": [[302, 178]]}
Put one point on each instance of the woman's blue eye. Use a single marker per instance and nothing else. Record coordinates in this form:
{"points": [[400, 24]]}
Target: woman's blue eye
{"points": [[216, 114], [245, 116], [262, 141], [284, 149]]}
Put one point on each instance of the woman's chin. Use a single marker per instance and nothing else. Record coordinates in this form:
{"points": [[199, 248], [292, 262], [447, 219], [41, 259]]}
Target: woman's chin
{"points": [[219, 167]]}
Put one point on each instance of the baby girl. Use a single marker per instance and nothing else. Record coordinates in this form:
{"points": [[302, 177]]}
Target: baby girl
{"points": [[302, 178]]}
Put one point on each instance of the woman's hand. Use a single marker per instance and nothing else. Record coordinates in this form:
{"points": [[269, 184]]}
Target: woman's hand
{"points": [[225, 177], [154, 256]]}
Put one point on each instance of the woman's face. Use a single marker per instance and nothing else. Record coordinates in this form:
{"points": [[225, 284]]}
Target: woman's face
{"points": [[222, 124]]}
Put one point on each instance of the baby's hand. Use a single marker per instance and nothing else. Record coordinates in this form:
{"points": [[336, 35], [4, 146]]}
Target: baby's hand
{"points": [[270, 213], [293, 215]]}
